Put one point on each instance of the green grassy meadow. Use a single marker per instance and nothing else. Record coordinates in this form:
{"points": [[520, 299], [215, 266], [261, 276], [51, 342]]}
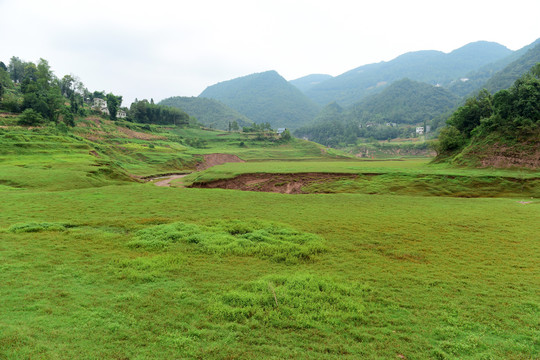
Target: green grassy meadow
{"points": [[95, 265]]}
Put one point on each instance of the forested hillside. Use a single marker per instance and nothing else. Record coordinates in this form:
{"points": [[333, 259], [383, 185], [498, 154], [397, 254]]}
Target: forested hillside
{"points": [[393, 113], [476, 80], [433, 67], [404, 102], [209, 112], [497, 130], [265, 98], [506, 77]]}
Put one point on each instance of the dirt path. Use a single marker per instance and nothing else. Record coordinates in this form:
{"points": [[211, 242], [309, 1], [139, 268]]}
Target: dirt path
{"points": [[209, 161], [167, 180]]}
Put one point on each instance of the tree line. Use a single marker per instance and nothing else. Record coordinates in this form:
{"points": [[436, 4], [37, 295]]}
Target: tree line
{"points": [[34, 91]]}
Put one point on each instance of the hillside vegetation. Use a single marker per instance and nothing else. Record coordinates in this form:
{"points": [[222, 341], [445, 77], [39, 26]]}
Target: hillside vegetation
{"points": [[497, 130], [393, 113], [265, 98], [209, 112]]}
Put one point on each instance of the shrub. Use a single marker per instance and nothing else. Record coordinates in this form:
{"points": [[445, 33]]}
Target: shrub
{"points": [[29, 117], [450, 139]]}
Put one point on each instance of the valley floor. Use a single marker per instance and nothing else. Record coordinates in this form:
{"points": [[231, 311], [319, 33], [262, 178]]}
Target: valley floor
{"points": [[144, 272]]}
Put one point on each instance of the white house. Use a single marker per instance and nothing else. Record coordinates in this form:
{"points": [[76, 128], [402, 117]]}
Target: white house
{"points": [[101, 105], [420, 130], [121, 114], [281, 130]]}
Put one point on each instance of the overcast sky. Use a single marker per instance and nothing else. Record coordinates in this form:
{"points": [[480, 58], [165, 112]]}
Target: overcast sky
{"points": [[160, 48]]}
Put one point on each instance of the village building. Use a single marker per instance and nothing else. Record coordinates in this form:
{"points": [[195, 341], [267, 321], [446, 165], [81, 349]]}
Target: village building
{"points": [[100, 105]]}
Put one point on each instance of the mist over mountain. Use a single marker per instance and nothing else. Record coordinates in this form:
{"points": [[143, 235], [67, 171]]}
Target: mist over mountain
{"points": [[513, 71], [208, 112], [265, 97], [430, 66], [476, 80], [307, 82]]}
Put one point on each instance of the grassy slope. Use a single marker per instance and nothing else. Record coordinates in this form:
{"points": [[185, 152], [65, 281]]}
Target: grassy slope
{"points": [[419, 277], [411, 177]]}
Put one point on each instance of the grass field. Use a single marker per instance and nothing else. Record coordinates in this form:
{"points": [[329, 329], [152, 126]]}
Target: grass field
{"points": [[93, 266]]}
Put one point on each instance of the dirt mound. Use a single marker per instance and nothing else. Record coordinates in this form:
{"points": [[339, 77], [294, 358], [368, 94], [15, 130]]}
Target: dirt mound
{"points": [[279, 183], [217, 159]]}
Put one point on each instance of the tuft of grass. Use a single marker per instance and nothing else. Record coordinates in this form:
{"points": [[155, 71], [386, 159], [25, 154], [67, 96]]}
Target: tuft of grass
{"points": [[305, 301], [37, 227], [265, 240]]}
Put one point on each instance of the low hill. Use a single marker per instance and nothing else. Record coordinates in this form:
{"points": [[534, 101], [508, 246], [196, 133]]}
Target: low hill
{"points": [[209, 112], [433, 67], [307, 82], [391, 114], [404, 102], [501, 130], [265, 98]]}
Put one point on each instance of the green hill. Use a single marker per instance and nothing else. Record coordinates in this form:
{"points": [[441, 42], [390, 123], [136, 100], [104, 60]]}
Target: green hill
{"points": [[432, 67], [265, 98], [500, 130], [404, 102], [387, 115], [209, 112]]}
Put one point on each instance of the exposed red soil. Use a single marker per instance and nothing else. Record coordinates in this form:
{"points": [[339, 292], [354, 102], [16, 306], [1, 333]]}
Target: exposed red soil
{"points": [[279, 183], [505, 157], [217, 159], [139, 135]]}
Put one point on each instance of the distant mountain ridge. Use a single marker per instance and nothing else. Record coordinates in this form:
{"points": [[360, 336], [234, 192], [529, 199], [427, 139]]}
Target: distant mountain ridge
{"points": [[430, 66], [307, 82], [265, 97], [209, 112]]}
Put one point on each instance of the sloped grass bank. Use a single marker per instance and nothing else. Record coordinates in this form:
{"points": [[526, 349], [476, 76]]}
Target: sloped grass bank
{"points": [[381, 183]]}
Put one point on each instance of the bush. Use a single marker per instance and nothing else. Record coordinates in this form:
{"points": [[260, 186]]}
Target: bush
{"points": [[29, 117], [450, 140]]}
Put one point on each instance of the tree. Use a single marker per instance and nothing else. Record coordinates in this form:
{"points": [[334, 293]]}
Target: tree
{"points": [[450, 139], [30, 117], [286, 135], [113, 104], [16, 69], [469, 116]]}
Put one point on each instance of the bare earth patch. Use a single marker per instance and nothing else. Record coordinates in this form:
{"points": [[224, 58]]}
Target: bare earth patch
{"points": [[139, 135], [279, 183], [217, 159]]}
